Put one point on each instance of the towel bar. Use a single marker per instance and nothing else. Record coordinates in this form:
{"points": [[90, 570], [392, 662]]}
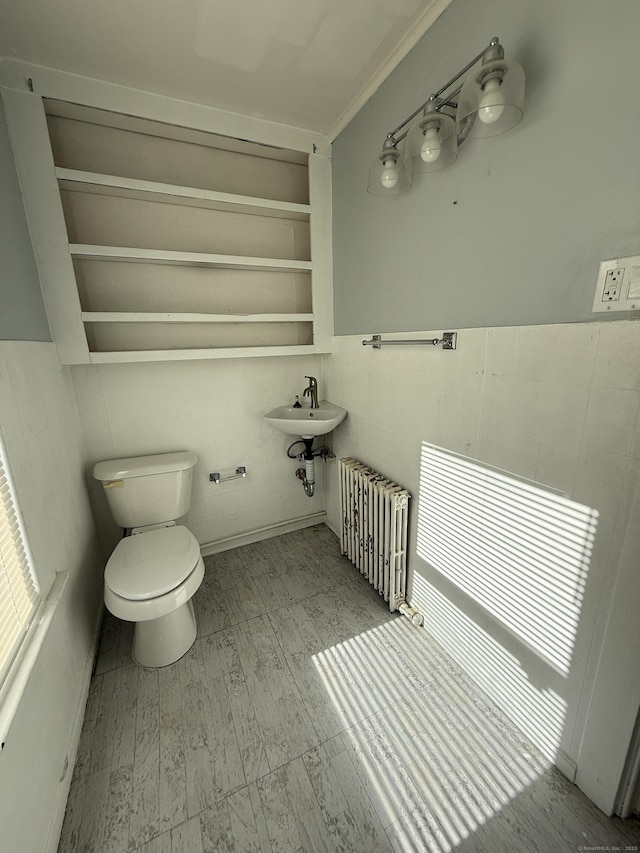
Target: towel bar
{"points": [[448, 341]]}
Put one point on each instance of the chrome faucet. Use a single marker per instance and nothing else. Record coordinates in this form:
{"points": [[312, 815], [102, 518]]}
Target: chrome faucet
{"points": [[312, 391]]}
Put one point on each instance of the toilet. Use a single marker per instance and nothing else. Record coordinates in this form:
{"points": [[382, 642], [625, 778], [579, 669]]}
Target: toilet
{"points": [[156, 568]]}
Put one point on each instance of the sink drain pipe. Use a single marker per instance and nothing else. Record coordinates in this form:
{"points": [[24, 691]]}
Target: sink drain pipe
{"points": [[308, 473]]}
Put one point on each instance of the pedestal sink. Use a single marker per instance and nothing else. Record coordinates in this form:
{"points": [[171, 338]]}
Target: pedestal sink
{"points": [[306, 422]]}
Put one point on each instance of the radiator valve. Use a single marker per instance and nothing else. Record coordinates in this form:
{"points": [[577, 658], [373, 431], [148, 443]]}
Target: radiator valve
{"points": [[411, 613]]}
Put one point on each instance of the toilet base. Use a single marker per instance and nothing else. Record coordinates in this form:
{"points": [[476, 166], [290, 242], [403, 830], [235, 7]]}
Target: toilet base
{"points": [[160, 642]]}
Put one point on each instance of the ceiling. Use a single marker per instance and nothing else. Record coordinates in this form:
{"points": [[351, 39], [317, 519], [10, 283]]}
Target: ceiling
{"points": [[307, 63]]}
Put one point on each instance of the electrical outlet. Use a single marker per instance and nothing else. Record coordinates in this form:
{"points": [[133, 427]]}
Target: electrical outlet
{"points": [[618, 285], [612, 284]]}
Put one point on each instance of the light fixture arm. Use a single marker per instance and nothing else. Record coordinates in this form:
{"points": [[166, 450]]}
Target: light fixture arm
{"points": [[493, 51]]}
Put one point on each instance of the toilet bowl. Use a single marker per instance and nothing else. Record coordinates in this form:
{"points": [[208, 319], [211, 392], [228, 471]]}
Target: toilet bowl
{"points": [[150, 579], [155, 570]]}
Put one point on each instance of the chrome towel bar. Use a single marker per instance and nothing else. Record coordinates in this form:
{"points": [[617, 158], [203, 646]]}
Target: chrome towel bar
{"points": [[241, 471], [448, 340]]}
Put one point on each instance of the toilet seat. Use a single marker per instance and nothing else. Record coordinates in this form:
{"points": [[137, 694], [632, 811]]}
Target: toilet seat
{"points": [[149, 565], [148, 609], [168, 559]]}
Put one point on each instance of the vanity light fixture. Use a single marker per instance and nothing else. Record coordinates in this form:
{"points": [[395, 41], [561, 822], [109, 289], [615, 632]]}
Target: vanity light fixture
{"points": [[387, 173], [488, 102]]}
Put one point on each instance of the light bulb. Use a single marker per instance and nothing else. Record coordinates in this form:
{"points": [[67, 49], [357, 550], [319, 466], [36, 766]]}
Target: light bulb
{"points": [[491, 104], [431, 146], [389, 176]]}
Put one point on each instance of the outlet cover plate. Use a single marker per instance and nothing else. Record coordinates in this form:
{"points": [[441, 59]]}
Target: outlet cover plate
{"points": [[618, 285]]}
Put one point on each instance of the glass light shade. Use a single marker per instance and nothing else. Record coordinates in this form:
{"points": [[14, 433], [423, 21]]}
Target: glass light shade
{"points": [[432, 143], [387, 174], [491, 100]]}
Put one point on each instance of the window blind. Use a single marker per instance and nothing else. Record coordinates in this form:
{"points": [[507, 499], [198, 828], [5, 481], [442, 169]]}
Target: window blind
{"points": [[19, 596]]}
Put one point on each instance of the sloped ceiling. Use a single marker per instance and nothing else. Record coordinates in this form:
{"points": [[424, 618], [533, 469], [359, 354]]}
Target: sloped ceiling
{"points": [[297, 62]]}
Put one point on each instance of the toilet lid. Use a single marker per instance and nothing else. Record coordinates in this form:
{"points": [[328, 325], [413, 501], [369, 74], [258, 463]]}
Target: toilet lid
{"points": [[147, 565]]}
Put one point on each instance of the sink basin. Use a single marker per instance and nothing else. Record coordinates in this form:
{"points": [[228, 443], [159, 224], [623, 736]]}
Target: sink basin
{"points": [[306, 422]]}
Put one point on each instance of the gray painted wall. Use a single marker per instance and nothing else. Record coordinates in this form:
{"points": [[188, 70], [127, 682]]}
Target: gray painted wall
{"points": [[513, 232], [22, 313]]}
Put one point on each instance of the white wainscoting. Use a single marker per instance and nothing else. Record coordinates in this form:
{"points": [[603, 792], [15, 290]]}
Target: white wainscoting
{"points": [[215, 410], [45, 450], [556, 404]]}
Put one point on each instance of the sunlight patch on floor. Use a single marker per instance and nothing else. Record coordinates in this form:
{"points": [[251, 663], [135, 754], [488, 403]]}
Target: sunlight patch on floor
{"points": [[439, 750], [434, 757], [537, 708]]}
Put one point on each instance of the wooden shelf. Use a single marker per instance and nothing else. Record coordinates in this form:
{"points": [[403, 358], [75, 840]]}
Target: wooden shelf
{"points": [[195, 354], [227, 240], [78, 181], [173, 317], [158, 256]]}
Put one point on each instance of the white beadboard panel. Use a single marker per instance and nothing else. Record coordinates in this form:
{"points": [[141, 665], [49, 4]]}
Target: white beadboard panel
{"points": [[38, 418], [501, 345], [612, 710], [517, 404], [44, 445], [534, 359], [565, 412], [511, 450], [559, 405], [42, 435], [49, 705], [616, 364], [574, 350], [601, 483], [612, 417], [214, 408], [557, 463]]}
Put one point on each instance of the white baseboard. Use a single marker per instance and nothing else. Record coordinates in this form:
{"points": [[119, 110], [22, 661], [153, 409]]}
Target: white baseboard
{"points": [[263, 533], [333, 528], [566, 765]]}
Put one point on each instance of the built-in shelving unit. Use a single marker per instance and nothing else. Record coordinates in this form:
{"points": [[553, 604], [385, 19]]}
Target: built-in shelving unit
{"points": [[176, 242]]}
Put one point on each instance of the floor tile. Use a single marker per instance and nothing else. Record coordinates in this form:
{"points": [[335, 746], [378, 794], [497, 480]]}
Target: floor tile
{"points": [[306, 718]]}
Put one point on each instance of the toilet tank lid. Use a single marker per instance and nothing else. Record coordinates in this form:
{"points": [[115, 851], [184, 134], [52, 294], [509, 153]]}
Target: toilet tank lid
{"points": [[142, 466]]}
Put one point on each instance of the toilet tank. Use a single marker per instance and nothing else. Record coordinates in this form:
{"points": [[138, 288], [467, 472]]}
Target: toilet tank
{"points": [[145, 490]]}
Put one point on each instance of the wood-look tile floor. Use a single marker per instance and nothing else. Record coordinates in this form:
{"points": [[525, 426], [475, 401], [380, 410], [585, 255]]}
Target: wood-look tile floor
{"points": [[308, 718]]}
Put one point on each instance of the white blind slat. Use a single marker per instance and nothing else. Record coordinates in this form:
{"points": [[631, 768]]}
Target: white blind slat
{"points": [[19, 597]]}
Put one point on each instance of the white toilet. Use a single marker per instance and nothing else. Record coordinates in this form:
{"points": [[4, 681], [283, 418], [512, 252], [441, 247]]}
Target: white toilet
{"points": [[153, 573]]}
